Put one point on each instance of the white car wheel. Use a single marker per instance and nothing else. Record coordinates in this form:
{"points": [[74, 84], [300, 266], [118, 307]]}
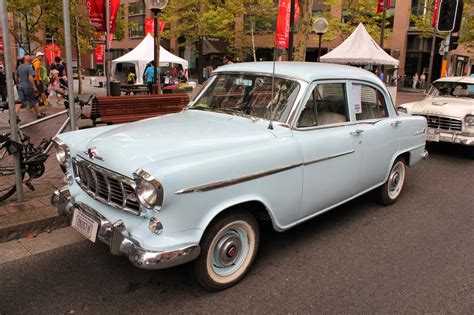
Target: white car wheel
{"points": [[389, 192]]}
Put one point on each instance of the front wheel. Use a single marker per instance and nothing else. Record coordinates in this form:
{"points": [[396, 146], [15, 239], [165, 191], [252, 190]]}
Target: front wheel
{"points": [[228, 247], [389, 192]]}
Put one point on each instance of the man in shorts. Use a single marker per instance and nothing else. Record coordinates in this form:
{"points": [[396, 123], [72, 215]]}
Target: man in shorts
{"points": [[37, 65], [27, 91]]}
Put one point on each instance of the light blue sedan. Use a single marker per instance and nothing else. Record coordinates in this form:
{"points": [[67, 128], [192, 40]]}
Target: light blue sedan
{"points": [[251, 146]]}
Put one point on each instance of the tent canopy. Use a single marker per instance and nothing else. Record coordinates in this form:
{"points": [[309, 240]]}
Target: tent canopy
{"points": [[359, 49], [143, 54]]}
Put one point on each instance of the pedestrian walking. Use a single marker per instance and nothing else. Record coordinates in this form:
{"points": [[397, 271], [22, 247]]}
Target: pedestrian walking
{"points": [[415, 80], [61, 70], [54, 88], [150, 76], [422, 80], [130, 77], [27, 90], [37, 65]]}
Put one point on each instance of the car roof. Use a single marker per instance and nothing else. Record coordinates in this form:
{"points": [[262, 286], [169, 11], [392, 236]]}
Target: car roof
{"points": [[306, 71], [468, 80]]}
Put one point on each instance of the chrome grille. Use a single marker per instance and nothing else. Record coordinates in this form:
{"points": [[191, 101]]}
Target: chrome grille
{"points": [[105, 186], [445, 123]]}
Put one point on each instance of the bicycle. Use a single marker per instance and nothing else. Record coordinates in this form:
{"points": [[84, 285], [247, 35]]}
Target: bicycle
{"points": [[32, 158]]}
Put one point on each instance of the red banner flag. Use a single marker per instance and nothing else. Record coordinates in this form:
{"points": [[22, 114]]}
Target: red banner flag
{"points": [[96, 10], [380, 5], [150, 26], [51, 51], [99, 52], [435, 13], [282, 36]]}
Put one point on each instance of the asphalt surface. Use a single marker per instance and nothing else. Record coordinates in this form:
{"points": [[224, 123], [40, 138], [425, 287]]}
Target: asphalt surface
{"points": [[413, 257]]}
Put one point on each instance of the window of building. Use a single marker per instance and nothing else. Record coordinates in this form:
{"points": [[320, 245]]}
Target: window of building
{"points": [[326, 105], [137, 31], [136, 8]]}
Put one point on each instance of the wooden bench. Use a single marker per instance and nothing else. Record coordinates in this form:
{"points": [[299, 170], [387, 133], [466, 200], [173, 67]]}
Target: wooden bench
{"points": [[123, 109]]}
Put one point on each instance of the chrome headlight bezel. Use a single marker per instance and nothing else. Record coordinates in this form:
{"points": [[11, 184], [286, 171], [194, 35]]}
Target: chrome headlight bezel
{"points": [[469, 120], [63, 153], [149, 190]]}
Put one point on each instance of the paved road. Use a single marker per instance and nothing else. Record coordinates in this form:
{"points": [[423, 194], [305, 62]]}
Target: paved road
{"points": [[415, 256]]}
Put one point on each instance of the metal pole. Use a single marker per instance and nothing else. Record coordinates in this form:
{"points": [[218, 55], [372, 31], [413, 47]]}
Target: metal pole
{"points": [[292, 24], [70, 79], [319, 46], [382, 34], [156, 80], [200, 60], [11, 99], [430, 67], [107, 46]]}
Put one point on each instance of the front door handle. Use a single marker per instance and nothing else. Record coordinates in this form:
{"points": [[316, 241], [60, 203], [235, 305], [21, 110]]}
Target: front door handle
{"points": [[356, 132], [396, 123]]}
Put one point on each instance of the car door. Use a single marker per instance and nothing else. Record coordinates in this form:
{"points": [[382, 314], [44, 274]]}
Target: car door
{"points": [[378, 127], [332, 155]]}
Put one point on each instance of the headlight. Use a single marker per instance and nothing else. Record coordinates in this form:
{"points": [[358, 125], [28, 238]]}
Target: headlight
{"points": [[62, 151], [402, 110], [148, 189], [469, 120]]}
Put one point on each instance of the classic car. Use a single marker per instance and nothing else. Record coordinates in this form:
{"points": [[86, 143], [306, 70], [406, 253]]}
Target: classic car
{"points": [[282, 143], [448, 109]]}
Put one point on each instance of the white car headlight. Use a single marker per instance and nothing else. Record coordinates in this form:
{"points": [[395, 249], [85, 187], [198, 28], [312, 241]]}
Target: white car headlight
{"points": [[148, 189], [62, 151], [470, 120]]}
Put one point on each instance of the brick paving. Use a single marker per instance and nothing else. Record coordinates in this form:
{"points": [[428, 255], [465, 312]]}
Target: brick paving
{"points": [[36, 214]]}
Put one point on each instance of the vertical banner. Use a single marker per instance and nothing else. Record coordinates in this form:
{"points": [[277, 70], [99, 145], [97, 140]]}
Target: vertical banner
{"points": [[380, 5], [150, 26], [435, 13], [96, 10], [51, 51], [283, 23], [99, 52]]}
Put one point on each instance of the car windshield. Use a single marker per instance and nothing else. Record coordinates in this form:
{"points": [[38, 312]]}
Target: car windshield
{"points": [[452, 89], [249, 94]]}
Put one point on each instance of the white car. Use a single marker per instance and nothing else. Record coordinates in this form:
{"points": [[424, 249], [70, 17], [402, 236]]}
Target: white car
{"points": [[448, 109]]}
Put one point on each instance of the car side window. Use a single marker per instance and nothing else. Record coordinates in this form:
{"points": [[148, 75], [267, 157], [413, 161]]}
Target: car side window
{"points": [[370, 104], [326, 105]]}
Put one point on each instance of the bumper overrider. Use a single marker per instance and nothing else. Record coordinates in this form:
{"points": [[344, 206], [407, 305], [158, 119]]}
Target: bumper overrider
{"points": [[120, 242]]}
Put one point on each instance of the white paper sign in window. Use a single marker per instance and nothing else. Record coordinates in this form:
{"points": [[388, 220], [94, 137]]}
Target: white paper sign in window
{"points": [[357, 98]]}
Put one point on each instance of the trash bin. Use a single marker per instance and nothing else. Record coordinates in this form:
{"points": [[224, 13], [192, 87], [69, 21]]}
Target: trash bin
{"points": [[115, 88]]}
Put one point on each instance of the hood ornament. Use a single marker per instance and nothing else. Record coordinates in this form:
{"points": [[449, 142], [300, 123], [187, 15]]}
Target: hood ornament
{"points": [[92, 153]]}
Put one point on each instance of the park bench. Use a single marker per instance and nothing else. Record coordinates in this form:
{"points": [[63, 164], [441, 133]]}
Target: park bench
{"points": [[123, 109]]}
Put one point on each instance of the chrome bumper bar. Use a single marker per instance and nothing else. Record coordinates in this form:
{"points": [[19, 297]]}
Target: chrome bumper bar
{"points": [[120, 242]]}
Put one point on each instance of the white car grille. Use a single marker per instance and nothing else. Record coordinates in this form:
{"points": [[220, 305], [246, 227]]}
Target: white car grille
{"points": [[445, 123], [107, 187]]}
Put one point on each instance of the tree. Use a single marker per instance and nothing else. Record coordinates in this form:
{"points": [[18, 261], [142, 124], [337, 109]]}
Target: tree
{"points": [[304, 29]]}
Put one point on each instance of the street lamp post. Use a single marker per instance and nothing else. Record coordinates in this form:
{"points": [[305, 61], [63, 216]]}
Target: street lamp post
{"points": [[320, 26], [156, 6]]}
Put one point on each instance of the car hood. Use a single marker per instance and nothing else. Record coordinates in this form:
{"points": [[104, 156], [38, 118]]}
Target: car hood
{"points": [[444, 106], [131, 146]]}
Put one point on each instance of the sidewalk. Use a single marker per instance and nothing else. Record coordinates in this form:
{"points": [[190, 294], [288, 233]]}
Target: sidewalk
{"points": [[35, 215]]}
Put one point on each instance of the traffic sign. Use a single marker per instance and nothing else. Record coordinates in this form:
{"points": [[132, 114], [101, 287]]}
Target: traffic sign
{"points": [[97, 41]]}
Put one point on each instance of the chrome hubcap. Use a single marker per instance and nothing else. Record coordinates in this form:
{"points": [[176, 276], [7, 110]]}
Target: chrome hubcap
{"points": [[228, 249], [395, 182]]}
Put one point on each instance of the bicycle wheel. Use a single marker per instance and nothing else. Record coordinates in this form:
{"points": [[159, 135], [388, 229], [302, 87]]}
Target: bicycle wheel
{"points": [[7, 177]]}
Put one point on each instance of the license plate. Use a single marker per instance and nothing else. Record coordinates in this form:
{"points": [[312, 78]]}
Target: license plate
{"points": [[85, 225], [432, 135]]}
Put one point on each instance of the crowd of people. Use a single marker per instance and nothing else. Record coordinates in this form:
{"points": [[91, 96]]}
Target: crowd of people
{"points": [[34, 84]]}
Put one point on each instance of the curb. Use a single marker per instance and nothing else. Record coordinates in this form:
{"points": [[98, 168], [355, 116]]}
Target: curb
{"points": [[32, 228]]}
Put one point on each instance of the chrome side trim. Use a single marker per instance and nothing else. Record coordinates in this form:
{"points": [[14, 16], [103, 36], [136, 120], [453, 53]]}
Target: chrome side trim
{"points": [[234, 181], [238, 180], [328, 157]]}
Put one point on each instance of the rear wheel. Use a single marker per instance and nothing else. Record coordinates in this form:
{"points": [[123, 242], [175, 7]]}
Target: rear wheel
{"points": [[389, 192], [228, 249]]}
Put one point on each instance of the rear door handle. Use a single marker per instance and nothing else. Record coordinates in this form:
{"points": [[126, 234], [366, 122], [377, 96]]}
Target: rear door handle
{"points": [[356, 132], [396, 123]]}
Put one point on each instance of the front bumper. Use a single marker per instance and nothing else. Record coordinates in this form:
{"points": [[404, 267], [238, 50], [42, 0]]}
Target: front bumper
{"points": [[120, 242], [450, 137]]}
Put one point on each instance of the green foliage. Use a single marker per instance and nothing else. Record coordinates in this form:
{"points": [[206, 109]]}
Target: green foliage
{"points": [[355, 12], [467, 25]]}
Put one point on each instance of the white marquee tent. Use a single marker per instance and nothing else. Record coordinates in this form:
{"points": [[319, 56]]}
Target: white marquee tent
{"points": [[359, 49], [143, 54]]}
